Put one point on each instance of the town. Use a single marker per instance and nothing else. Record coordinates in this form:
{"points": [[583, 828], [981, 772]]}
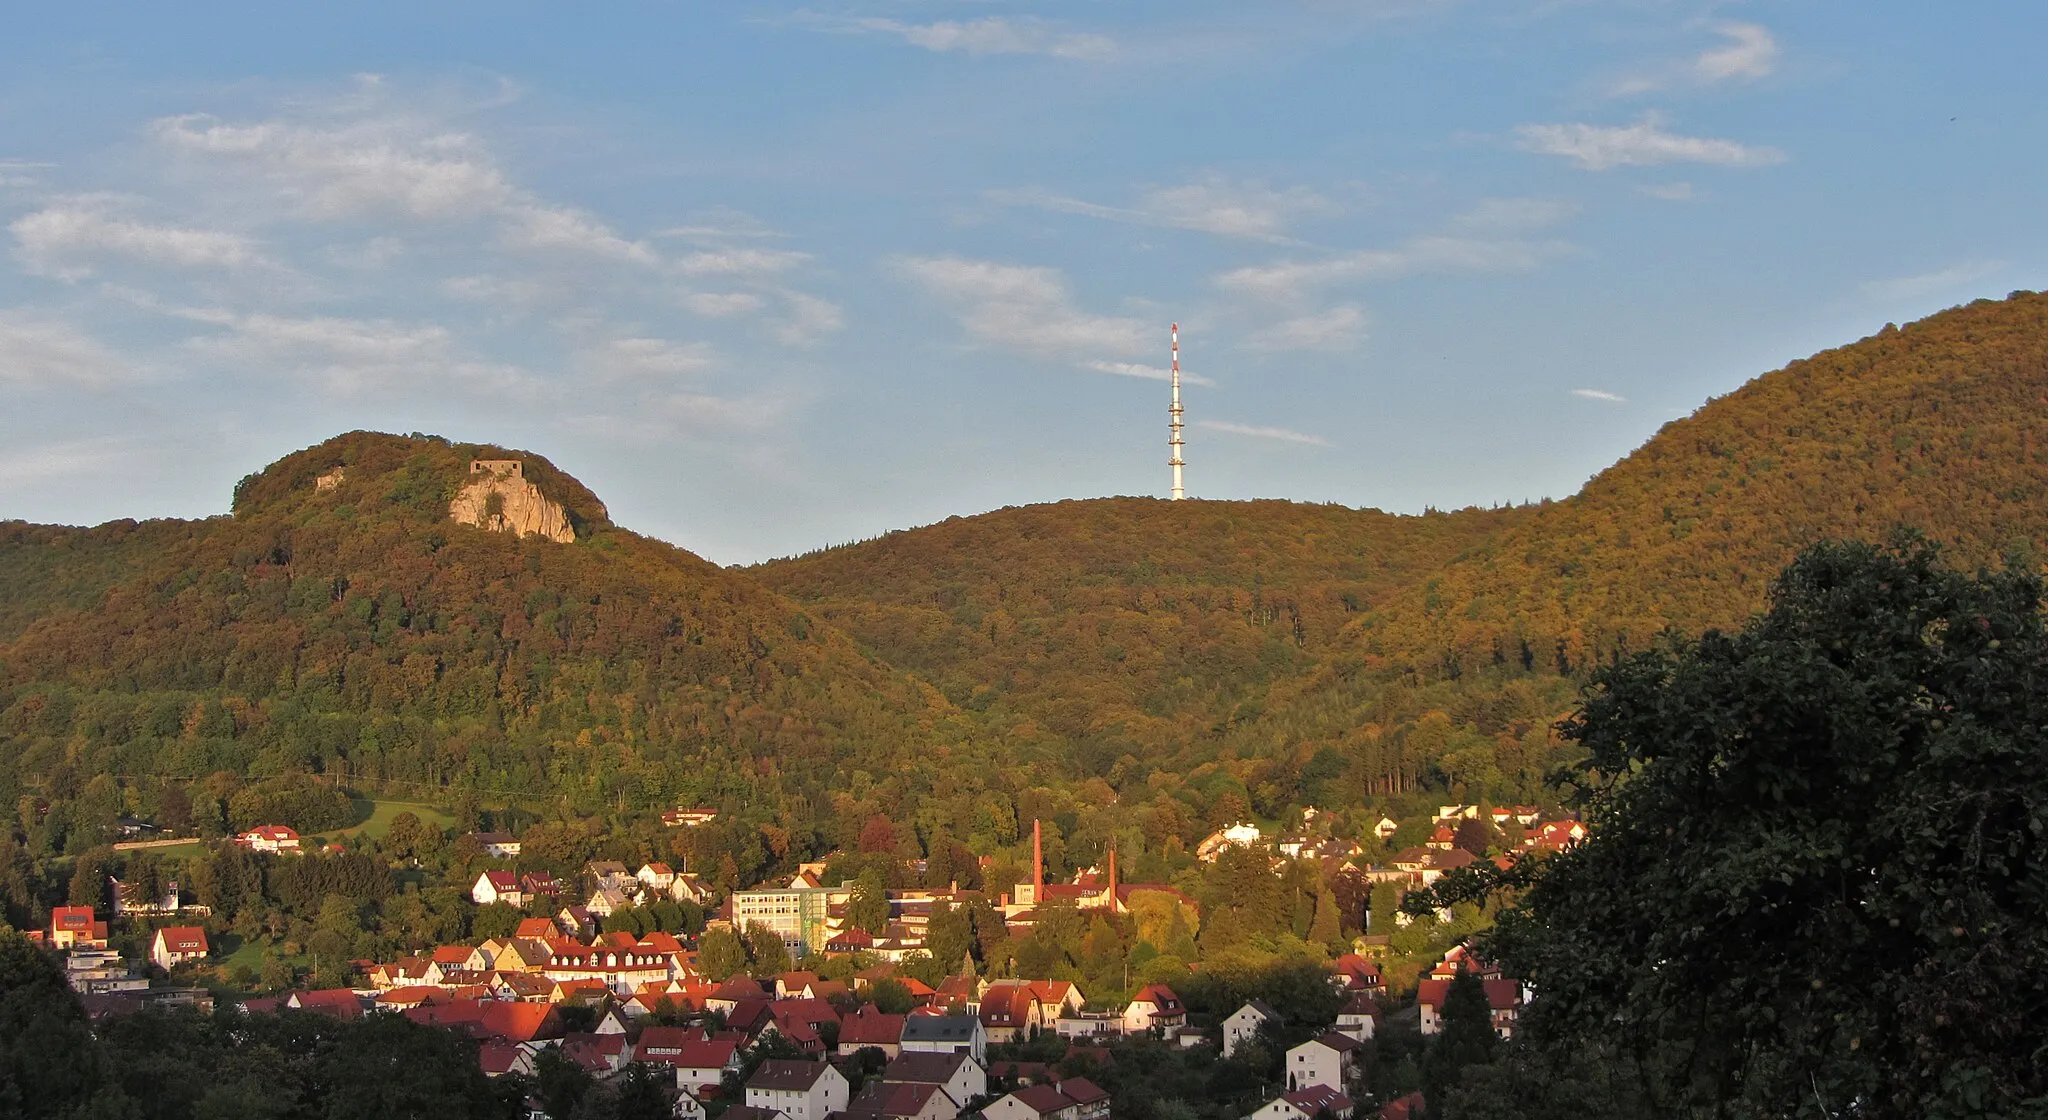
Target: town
{"points": [[831, 992]]}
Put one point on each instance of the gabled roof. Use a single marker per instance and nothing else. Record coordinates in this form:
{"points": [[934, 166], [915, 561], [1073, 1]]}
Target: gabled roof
{"points": [[498, 1057], [939, 1028], [1263, 1009], [1341, 1043], [923, 1066], [520, 1022], [452, 954], [1361, 1004], [783, 1073], [75, 918], [868, 1027], [501, 881], [897, 1098], [1315, 1098], [183, 939], [1160, 996], [338, 1002]]}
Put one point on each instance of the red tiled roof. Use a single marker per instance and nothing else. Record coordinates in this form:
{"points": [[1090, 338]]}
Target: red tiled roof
{"points": [[183, 939], [869, 1027]]}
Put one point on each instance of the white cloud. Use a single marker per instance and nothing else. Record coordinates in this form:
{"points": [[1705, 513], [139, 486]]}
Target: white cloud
{"points": [[721, 223], [1600, 395], [37, 351], [1026, 308], [1210, 205], [987, 35], [810, 319], [1287, 434], [1290, 281], [565, 228], [1149, 373], [740, 262], [1750, 53], [1931, 283], [13, 172], [516, 290], [350, 355], [720, 305], [391, 165], [648, 357], [1642, 144], [1517, 213], [1747, 53], [70, 459], [1334, 330], [68, 240]]}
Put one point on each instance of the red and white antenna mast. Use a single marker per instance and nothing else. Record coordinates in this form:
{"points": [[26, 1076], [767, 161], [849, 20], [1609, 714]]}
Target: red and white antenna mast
{"points": [[1173, 425]]}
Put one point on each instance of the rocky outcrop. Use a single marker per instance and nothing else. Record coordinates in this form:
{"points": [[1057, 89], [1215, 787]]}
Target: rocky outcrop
{"points": [[330, 480], [499, 498]]}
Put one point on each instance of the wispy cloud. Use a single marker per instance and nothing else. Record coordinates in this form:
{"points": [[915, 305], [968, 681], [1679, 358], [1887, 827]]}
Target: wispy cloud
{"points": [[39, 351], [1600, 395], [985, 36], [1212, 204], [1024, 307], [1746, 53], [1642, 144], [69, 240], [68, 459], [351, 355], [1931, 283], [1149, 373], [1517, 213], [1333, 330], [1288, 435], [1288, 281]]}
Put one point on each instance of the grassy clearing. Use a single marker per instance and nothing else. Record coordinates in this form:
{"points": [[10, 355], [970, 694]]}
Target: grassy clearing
{"points": [[380, 813]]}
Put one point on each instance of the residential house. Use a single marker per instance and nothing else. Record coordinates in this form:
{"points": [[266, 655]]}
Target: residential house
{"points": [[1327, 1059], [1008, 1013], [1154, 1008], [1353, 973], [497, 886], [1244, 1024], [1359, 1018], [699, 1062], [1241, 835], [175, 945], [535, 929], [576, 921], [868, 1027], [788, 985], [610, 874], [498, 845], [600, 1055], [539, 885], [1306, 1104], [500, 1058], [959, 1075], [798, 1089], [606, 901], [689, 888], [76, 927], [1387, 827], [269, 838], [126, 902], [656, 878], [1076, 1098], [898, 1100], [737, 989], [945, 1034], [1503, 1001]]}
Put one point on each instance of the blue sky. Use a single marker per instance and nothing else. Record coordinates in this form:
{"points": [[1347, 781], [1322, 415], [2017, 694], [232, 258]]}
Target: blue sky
{"points": [[771, 277]]}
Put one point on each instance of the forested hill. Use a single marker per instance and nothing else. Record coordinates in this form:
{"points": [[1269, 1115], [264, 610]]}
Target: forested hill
{"points": [[1129, 669], [1313, 652], [355, 630], [1125, 625], [1940, 427]]}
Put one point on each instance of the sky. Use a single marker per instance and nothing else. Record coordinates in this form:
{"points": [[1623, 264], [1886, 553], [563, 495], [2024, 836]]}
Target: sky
{"points": [[771, 277]]}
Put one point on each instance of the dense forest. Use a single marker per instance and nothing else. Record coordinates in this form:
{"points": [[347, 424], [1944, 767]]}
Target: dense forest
{"points": [[1131, 671]]}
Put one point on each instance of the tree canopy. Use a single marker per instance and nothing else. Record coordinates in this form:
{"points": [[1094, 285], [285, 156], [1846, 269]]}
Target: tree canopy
{"points": [[1816, 880]]}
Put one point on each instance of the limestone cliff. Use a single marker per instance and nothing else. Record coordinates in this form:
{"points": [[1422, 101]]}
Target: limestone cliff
{"points": [[498, 497]]}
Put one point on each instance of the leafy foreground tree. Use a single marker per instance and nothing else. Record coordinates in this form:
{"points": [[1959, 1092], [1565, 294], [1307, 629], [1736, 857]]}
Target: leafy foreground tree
{"points": [[1816, 882]]}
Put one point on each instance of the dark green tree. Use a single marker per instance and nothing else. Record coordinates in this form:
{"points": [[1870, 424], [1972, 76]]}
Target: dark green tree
{"points": [[49, 1063], [1817, 875], [1465, 1039]]}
